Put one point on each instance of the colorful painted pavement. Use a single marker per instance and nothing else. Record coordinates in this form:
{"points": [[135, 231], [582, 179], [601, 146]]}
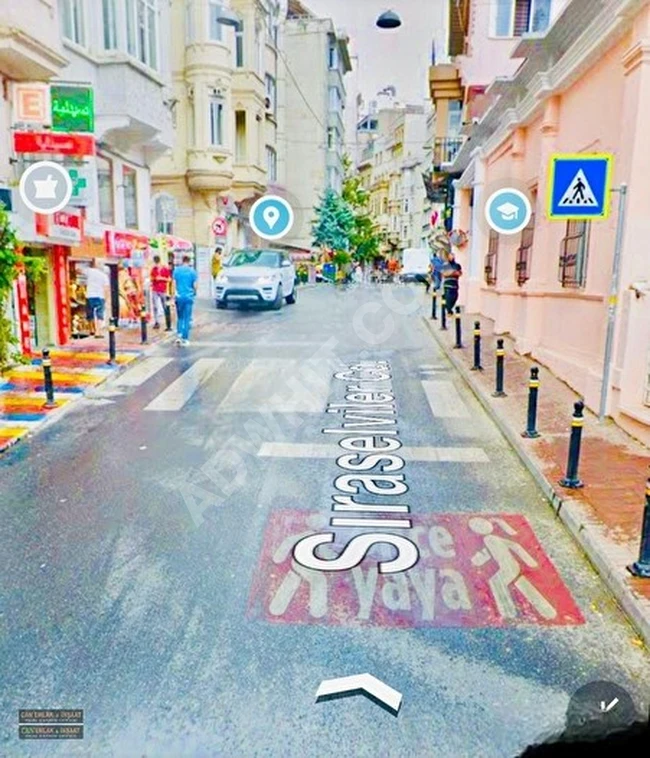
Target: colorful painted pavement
{"points": [[22, 390]]}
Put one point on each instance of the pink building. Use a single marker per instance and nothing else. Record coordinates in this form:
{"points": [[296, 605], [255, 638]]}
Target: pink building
{"points": [[582, 87]]}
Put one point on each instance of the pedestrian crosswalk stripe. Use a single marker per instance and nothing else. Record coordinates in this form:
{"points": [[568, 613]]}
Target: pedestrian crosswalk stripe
{"points": [[176, 395], [445, 400], [142, 372], [280, 386], [411, 454]]}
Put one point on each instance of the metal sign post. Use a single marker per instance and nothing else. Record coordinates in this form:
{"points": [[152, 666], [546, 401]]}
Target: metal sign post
{"points": [[613, 299]]}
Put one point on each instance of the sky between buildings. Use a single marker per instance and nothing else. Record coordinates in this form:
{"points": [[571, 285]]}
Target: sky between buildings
{"points": [[399, 57]]}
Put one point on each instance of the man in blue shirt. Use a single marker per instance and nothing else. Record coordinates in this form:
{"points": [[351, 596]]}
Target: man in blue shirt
{"points": [[436, 270], [185, 291]]}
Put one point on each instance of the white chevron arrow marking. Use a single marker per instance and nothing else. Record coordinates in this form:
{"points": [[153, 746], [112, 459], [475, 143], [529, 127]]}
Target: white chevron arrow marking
{"points": [[361, 684]]}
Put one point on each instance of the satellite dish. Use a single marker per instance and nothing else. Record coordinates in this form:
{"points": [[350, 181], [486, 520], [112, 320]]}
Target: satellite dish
{"points": [[389, 20]]}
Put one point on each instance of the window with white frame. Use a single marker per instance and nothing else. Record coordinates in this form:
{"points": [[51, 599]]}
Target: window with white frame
{"points": [[73, 21], [142, 31], [406, 205], [454, 118], [216, 114], [109, 21], [259, 49], [333, 178], [190, 29], [512, 18], [332, 138], [215, 29], [271, 164], [130, 185], [105, 189], [335, 99], [332, 55], [271, 93]]}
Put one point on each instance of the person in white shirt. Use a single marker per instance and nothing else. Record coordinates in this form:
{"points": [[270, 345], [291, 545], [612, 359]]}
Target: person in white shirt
{"points": [[97, 284]]}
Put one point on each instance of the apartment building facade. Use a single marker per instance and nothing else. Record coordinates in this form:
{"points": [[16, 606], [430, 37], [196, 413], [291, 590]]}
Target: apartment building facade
{"points": [[390, 165], [315, 65], [93, 99], [225, 61], [549, 286]]}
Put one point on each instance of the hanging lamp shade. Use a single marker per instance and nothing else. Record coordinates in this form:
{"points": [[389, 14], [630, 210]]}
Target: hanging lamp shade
{"points": [[389, 20], [228, 17]]}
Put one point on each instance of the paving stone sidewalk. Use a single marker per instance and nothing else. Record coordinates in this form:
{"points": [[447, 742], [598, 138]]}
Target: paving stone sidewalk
{"points": [[605, 517]]}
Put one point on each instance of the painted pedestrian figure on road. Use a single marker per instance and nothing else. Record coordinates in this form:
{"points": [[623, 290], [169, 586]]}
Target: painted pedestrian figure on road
{"points": [[297, 575], [506, 552]]}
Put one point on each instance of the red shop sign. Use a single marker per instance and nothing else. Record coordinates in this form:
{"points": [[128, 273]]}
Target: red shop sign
{"points": [[54, 144], [124, 244]]}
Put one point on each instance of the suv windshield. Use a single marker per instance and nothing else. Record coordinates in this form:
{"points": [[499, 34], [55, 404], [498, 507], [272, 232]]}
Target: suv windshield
{"points": [[255, 258]]}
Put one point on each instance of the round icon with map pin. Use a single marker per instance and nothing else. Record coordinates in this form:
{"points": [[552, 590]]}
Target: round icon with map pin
{"points": [[271, 217], [600, 708]]}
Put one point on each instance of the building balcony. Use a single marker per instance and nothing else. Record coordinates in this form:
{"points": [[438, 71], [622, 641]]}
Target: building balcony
{"points": [[247, 85], [445, 83], [248, 181], [445, 150], [130, 108], [30, 47], [209, 170]]}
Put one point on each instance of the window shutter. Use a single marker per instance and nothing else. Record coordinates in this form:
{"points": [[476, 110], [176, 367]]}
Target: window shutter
{"points": [[522, 16]]}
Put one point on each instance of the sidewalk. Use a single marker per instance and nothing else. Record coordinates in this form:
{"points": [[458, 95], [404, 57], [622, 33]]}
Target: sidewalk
{"points": [[605, 516], [75, 369]]}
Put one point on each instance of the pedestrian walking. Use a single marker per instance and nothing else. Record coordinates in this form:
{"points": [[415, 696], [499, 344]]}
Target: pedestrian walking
{"points": [[451, 273], [97, 287], [217, 264], [437, 264], [185, 291], [161, 278]]}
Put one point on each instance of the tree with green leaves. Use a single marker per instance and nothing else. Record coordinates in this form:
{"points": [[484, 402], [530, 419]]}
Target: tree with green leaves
{"points": [[334, 223], [365, 239], [9, 259]]}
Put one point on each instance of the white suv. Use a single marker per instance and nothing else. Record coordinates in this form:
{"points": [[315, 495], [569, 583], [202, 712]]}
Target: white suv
{"points": [[257, 276]]}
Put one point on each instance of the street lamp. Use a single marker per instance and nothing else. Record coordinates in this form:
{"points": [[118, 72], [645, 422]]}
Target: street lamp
{"points": [[389, 20], [228, 17]]}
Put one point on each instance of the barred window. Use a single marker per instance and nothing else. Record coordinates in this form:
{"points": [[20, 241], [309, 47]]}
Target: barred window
{"points": [[491, 258], [573, 254], [522, 264]]}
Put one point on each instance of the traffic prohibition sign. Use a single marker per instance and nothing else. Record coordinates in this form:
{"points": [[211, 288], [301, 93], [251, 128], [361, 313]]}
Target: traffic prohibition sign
{"points": [[220, 226]]}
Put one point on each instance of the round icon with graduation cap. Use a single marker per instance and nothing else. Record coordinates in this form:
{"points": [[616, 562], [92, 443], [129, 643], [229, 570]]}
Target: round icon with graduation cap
{"points": [[271, 217], [508, 211]]}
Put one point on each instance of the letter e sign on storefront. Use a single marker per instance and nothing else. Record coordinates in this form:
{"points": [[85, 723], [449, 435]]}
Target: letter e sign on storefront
{"points": [[31, 103]]}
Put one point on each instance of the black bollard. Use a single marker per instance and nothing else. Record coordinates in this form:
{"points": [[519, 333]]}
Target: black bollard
{"points": [[112, 326], [642, 567], [500, 352], [533, 391], [168, 315], [459, 340], [443, 313], [47, 380], [477, 347], [571, 480], [434, 304], [143, 325]]}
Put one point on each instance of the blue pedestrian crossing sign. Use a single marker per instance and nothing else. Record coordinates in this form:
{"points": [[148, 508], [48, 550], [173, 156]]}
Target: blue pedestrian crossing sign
{"points": [[579, 186]]}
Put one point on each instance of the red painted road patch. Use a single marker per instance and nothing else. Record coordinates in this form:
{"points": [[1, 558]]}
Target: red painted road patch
{"points": [[475, 570]]}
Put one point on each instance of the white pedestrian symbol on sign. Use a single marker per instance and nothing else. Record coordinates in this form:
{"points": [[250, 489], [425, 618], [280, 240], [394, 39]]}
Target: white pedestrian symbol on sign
{"points": [[579, 193]]}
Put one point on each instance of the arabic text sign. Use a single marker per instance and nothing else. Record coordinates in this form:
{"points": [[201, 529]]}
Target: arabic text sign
{"points": [[474, 570], [54, 144], [72, 108]]}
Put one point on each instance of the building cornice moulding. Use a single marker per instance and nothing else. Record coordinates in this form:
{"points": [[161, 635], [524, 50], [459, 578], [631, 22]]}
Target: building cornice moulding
{"points": [[636, 56], [544, 84]]}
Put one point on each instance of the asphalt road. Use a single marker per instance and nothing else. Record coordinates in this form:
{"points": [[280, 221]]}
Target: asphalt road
{"points": [[146, 570]]}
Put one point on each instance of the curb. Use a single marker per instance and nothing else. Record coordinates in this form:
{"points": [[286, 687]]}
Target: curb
{"points": [[567, 510]]}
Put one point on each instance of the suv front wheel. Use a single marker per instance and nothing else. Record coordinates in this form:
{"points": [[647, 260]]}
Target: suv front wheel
{"points": [[279, 297], [291, 299]]}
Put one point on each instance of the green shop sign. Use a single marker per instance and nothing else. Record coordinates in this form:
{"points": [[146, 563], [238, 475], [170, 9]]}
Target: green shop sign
{"points": [[72, 109]]}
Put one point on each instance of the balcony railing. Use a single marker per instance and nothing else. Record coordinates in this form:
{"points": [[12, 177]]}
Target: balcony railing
{"points": [[445, 150]]}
